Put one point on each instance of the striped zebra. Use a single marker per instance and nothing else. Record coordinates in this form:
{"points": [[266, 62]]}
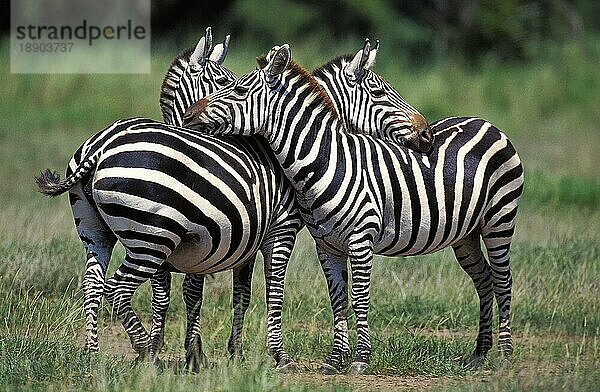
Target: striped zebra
{"points": [[346, 78], [206, 204], [360, 196], [174, 198], [181, 88]]}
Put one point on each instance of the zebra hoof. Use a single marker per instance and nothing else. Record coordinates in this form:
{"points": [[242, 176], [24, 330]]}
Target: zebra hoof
{"points": [[505, 364], [91, 350], [236, 354], [287, 367], [142, 357], [328, 370], [142, 349], [506, 352], [236, 359], [155, 360], [471, 362], [358, 367], [194, 361]]}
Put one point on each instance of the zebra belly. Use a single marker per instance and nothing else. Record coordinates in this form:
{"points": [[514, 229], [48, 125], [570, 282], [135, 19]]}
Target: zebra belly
{"points": [[191, 257], [404, 246], [145, 227], [421, 237]]}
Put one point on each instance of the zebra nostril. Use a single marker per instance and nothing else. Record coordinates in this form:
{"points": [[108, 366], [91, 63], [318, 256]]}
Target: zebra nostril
{"points": [[422, 133], [419, 124]]}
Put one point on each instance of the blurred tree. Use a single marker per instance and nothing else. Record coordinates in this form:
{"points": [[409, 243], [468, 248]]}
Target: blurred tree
{"points": [[178, 20], [418, 30]]}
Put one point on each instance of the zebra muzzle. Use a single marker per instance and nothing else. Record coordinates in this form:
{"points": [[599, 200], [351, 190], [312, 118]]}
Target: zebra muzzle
{"points": [[424, 140], [192, 114]]}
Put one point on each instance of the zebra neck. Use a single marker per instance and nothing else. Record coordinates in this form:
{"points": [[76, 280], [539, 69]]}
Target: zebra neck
{"points": [[307, 145], [335, 89]]}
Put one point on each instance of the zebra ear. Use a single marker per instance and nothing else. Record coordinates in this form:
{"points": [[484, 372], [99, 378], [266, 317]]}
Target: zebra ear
{"points": [[355, 69], [208, 45], [372, 55], [220, 51], [279, 61], [271, 53], [202, 51]]}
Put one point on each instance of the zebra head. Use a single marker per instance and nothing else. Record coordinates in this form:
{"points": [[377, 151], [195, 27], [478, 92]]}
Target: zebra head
{"points": [[241, 107], [193, 74], [368, 104]]}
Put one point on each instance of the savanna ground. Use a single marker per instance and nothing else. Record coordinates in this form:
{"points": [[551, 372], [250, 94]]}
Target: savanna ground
{"points": [[424, 310]]}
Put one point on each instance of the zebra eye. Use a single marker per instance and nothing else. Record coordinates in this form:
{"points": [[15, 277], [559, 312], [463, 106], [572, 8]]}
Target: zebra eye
{"points": [[240, 89], [223, 80], [377, 93]]}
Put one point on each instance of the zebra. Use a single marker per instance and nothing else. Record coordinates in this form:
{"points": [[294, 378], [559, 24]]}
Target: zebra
{"points": [[190, 202], [181, 88], [341, 77], [361, 196], [118, 183]]}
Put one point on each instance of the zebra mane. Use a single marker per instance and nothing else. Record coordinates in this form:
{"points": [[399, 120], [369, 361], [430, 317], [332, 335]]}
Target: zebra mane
{"points": [[329, 66], [322, 97], [172, 78]]}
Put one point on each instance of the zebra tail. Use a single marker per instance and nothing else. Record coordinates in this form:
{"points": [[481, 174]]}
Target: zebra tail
{"points": [[49, 182]]}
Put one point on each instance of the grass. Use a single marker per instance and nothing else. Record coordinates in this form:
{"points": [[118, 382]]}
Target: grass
{"points": [[424, 310]]}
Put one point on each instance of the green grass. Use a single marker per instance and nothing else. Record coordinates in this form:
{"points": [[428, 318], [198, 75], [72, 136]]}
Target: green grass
{"points": [[424, 310]]}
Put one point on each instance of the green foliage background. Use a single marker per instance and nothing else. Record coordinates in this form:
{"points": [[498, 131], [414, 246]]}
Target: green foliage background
{"points": [[423, 32]]}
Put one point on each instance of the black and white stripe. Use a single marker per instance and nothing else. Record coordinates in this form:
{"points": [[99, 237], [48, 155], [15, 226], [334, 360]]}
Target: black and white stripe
{"points": [[361, 196]]}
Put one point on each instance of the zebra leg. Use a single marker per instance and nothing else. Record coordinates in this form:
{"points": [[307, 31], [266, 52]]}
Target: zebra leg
{"points": [[242, 290], [119, 290], [93, 289], [336, 274], [471, 259], [361, 263], [193, 291], [497, 243], [276, 257], [161, 298], [99, 242]]}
